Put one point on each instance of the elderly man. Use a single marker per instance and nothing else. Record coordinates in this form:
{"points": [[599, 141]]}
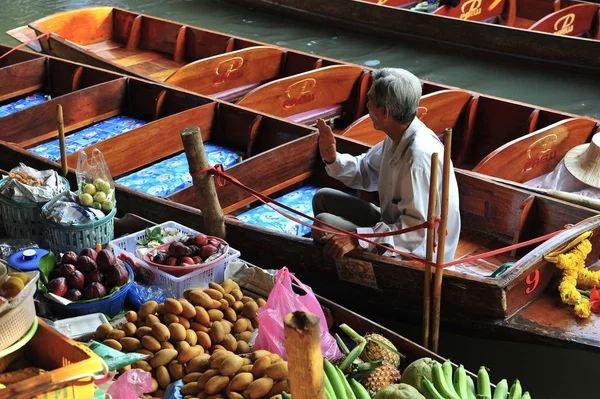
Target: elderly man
{"points": [[398, 167]]}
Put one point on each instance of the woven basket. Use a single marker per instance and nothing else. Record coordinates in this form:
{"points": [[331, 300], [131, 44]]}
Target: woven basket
{"points": [[23, 219], [18, 320], [75, 238]]}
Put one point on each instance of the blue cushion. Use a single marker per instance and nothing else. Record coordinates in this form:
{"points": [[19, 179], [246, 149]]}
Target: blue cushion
{"points": [[265, 216], [88, 136], [20, 105], [173, 174]]}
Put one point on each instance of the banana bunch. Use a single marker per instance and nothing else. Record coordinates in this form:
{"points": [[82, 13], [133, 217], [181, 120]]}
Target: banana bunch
{"points": [[445, 385]]}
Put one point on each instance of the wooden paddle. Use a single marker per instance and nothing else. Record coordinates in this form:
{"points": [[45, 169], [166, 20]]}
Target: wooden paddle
{"points": [[429, 255], [61, 140]]}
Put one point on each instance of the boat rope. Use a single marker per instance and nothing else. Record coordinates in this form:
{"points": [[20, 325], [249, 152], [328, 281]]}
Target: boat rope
{"points": [[221, 177], [26, 43]]}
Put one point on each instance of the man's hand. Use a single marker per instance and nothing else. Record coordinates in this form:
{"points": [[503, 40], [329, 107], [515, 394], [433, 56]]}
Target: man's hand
{"points": [[326, 142], [338, 245]]}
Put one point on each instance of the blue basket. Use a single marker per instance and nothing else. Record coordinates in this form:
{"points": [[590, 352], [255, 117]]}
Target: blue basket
{"points": [[77, 237], [23, 219], [110, 306]]}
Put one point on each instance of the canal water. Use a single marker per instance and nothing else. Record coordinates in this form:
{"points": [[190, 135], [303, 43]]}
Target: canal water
{"points": [[547, 372]]}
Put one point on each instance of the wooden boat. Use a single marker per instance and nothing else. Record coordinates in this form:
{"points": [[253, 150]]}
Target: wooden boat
{"points": [[280, 157], [560, 32]]}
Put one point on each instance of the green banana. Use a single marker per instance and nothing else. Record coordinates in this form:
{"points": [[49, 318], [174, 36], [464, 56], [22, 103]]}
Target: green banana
{"points": [[526, 395], [286, 395], [439, 381], [429, 390], [328, 387], [515, 390], [460, 386], [349, 392], [338, 387], [471, 388], [483, 383], [447, 369], [501, 391], [359, 391]]}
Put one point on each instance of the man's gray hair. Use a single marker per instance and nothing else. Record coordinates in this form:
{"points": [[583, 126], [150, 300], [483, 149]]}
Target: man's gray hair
{"points": [[399, 91]]}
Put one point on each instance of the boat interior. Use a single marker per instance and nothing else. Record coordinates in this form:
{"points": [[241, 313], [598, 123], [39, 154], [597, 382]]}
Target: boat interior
{"points": [[560, 17]]}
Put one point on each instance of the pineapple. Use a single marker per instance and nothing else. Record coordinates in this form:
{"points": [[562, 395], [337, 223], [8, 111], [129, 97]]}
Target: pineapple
{"points": [[384, 375], [374, 351]]}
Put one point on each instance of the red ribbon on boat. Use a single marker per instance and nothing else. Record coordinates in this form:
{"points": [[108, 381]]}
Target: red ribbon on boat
{"points": [[221, 177], [28, 42]]}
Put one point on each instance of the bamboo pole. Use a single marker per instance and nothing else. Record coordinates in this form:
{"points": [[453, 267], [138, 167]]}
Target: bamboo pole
{"points": [[208, 202], [429, 254], [61, 139], [439, 272], [305, 360]]}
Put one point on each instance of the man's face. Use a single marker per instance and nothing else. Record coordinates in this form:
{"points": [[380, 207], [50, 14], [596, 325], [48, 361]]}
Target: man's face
{"points": [[377, 114]]}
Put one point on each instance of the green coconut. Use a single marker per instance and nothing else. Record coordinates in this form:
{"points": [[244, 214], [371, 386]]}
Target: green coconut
{"points": [[398, 391], [414, 373]]}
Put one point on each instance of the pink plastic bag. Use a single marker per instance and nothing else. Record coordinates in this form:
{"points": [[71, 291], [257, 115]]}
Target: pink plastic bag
{"points": [[283, 300], [131, 385]]}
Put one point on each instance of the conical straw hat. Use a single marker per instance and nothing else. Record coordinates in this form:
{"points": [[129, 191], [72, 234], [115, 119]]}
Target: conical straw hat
{"points": [[583, 162]]}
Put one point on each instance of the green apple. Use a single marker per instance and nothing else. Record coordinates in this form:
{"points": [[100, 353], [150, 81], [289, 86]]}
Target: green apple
{"points": [[100, 196], [96, 205], [107, 206], [86, 199], [89, 189]]}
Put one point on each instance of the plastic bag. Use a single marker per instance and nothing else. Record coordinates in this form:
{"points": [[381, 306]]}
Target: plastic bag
{"points": [[94, 182], [139, 294], [283, 300], [131, 385]]}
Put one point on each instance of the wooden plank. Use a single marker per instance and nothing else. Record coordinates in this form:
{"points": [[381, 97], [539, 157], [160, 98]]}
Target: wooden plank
{"points": [[22, 78], [133, 41], [179, 53], [84, 26], [82, 105], [151, 142], [574, 20], [26, 34]]}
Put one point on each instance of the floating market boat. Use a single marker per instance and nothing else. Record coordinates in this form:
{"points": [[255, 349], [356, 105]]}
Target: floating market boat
{"points": [[562, 32], [136, 124]]}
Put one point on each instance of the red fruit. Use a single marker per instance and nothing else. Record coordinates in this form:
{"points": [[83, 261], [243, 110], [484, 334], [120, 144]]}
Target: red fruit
{"points": [[65, 270], [76, 280], [69, 258], [74, 295], [208, 250], [85, 264], [93, 291], [116, 276], [105, 259], [172, 261], [200, 240], [215, 243], [197, 260], [58, 286], [177, 249], [187, 260], [93, 277], [89, 252]]}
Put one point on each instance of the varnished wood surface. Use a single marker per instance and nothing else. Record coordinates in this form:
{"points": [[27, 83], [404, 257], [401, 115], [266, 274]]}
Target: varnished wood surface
{"points": [[575, 20]]}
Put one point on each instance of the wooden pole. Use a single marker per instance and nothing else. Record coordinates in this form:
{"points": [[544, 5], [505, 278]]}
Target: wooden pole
{"points": [[305, 360], [61, 139], [429, 254], [214, 221], [439, 272]]}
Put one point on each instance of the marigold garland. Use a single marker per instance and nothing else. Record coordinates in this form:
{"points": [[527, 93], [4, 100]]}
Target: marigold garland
{"points": [[575, 274]]}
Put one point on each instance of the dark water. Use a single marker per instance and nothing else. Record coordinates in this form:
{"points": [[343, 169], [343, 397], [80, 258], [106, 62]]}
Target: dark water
{"points": [[545, 371]]}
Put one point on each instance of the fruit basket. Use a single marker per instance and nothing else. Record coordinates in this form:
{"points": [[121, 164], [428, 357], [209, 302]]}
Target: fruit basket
{"points": [[23, 219], [18, 318], [187, 264]]}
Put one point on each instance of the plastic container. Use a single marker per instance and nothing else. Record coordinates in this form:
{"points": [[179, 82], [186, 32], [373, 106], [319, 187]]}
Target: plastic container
{"points": [[176, 285], [23, 219], [21, 342], [80, 326], [27, 259], [15, 323], [72, 368], [110, 306], [77, 237], [179, 271]]}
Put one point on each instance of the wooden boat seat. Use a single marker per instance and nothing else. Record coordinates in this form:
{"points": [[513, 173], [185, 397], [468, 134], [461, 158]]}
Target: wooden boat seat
{"points": [[88, 136], [267, 217], [537, 153], [319, 89], [230, 75], [489, 11], [309, 117], [437, 110], [575, 20], [173, 174]]}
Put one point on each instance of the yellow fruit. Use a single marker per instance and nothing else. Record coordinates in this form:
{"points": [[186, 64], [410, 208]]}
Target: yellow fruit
{"points": [[12, 286], [20, 275]]}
